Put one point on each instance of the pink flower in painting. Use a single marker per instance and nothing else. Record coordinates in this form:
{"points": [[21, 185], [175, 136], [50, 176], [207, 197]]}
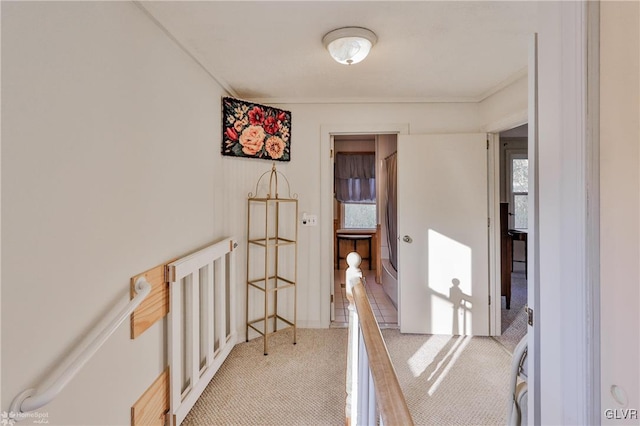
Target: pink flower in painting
{"points": [[275, 147], [271, 125], [252, 140], [282, 116], [231, 134], [256, 116]]}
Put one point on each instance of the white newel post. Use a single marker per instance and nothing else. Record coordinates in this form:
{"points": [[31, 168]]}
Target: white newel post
{"points": [[353, 275]]}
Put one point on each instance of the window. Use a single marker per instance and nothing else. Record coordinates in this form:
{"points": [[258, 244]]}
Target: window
{"points": [[519, 191], [355, 189], [359, 216]]}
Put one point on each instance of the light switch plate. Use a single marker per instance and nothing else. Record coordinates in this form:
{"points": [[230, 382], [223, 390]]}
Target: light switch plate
{"points": [[309, 219]]}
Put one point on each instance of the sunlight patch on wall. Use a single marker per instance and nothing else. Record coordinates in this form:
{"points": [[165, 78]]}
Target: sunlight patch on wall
{"points": [[449, 281]]}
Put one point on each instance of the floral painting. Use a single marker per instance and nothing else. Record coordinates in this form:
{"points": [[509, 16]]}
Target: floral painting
{"points": [[255, 131]]}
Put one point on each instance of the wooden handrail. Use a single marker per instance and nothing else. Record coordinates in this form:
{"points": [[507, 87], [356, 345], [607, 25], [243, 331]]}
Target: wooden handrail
{"points": [[391, 403], [390, 400]]}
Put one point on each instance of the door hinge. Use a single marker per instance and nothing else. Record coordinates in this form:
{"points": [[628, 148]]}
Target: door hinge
{"points": [[332, 298], [489, 222], [529, 312], [331, 153], [487, 143], [489, 300]]}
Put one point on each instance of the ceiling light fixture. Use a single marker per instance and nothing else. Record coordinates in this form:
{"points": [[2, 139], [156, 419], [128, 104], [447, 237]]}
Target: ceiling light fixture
{"points": [[349, 45]]}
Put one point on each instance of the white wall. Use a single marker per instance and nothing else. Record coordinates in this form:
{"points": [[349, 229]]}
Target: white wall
{"points": [[506, 108], [110, 166], [620, 206]]}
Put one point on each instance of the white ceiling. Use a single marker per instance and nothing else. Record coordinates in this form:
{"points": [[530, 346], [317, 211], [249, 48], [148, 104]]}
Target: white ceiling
{"points": [[426, 50]]}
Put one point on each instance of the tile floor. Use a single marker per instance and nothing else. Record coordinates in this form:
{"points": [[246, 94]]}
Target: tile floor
{"points": [[386, 314]]}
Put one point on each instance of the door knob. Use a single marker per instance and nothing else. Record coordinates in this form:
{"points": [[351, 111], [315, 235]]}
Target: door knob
{"points": [[407, 239]]}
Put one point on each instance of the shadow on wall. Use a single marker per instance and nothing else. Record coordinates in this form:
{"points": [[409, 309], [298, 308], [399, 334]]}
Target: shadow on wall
{"points": [[461, 308]]}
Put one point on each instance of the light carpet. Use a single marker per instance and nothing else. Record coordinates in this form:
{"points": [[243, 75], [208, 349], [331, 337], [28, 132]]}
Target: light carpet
{"points": [[514, 320], [451, 380], [446, 380], [302, 384]]}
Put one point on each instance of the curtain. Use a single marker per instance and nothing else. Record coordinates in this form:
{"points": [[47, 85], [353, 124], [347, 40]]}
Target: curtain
{"points": [[355, 178], [392, 209]]}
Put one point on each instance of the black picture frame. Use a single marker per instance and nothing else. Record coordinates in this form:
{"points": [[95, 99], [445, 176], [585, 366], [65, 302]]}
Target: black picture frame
{"points": [[252, 130]]}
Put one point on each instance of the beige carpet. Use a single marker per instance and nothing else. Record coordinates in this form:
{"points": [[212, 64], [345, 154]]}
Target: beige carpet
{"points": [[446, 381], [514, 320], [302, 384], [451, 380]]}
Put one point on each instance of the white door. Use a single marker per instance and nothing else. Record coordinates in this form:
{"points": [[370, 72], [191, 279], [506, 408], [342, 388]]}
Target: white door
{"points": [[443, 263]]}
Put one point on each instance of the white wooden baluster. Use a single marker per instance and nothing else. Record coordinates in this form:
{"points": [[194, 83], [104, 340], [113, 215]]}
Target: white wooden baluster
{"points": [[194, 314], [187, 336], [231, 256], [373, 404], [221, 327], [353, 275], [372, 407], [210, 304], [175, 349], [364, 385]]}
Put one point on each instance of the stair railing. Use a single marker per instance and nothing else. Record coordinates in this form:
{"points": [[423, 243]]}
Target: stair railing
{"points": [[373, 389]]}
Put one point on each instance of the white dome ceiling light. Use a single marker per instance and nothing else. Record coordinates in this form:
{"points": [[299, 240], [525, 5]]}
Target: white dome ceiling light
{"points": [[349, 45]]}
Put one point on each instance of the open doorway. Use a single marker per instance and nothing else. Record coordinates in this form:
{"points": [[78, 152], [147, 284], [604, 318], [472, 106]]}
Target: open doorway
{"points": [[360, 222], [514, 201]]}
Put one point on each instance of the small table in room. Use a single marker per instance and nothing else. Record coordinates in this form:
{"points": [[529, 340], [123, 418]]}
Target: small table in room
{"points": [[519, 235], [354, 236]]}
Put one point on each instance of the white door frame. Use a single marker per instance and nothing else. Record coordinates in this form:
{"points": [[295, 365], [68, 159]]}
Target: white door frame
{"points": [[493, 181], [495, 279], [327, 131], [530, 116], [567, 335]]}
